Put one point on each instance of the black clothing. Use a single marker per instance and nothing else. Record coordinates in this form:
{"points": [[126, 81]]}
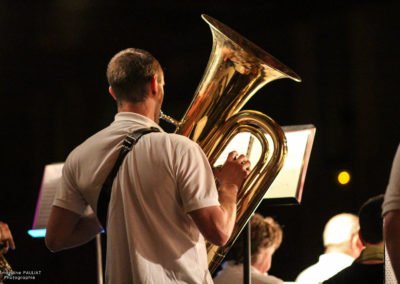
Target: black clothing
{"points": [[359, 273]]}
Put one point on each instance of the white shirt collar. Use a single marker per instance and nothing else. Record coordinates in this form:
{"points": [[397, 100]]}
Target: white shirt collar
{"points": [[138, 118]]}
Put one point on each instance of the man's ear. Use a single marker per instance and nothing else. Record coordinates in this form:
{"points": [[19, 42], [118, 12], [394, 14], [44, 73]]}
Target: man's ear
{"points": [[154, 84], [112, 93]]}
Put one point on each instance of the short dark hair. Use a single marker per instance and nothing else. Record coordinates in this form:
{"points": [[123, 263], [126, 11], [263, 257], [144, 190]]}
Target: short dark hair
{"points": [[371, 223], [129, 71]]}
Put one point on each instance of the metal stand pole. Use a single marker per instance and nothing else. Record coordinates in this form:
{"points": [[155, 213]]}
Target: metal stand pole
{"points": [[247, 233], [99, 260], [247, 254]]}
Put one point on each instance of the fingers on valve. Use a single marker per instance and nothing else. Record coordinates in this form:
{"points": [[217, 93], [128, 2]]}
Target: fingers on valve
{"points": [[232, 155], [241, 158]]}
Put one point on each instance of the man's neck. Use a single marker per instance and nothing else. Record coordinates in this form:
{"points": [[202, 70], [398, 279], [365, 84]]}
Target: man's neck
{"points": [[372, 254], [142, 108]]}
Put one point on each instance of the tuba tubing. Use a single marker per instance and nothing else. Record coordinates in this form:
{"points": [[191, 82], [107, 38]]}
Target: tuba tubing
{"points": [[236, 70]]}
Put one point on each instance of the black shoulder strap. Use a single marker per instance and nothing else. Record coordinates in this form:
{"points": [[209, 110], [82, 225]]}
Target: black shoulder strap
{"points": [[105, 193]]}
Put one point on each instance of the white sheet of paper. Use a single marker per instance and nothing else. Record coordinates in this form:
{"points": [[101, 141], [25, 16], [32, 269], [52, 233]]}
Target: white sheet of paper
{"points": [[290, 181], [50, 181]]}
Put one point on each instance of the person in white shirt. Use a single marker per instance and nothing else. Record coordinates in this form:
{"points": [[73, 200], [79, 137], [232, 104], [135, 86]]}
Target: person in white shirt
{"points": [[164, 200], [342, 246], [266, 237]]}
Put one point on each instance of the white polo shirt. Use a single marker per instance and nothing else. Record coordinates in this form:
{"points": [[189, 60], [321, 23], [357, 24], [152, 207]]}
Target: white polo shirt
{"points": [[151, 238]]}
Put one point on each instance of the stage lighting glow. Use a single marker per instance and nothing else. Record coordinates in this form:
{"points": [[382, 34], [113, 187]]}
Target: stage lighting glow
{"points": [[344, 177], [37, 233]]}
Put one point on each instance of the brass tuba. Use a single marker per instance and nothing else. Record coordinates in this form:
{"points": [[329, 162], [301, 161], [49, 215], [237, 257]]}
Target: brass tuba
{"points": [[236, 70]]}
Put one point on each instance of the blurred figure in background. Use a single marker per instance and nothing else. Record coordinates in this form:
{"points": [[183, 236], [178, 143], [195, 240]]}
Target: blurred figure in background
{"points": [[369, 266], [342, 246], [391, 215], [6, 238], [266, 237], [6, 242]]}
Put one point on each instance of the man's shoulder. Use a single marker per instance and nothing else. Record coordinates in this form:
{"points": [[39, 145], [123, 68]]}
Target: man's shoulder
{"points": [[265, 278], [175, 139], [309, 274], [358, 272], [341, 276]]}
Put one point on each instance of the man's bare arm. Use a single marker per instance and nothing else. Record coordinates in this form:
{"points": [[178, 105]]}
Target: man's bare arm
{"points": [[66, 229], [6, 238], [216, 223]]}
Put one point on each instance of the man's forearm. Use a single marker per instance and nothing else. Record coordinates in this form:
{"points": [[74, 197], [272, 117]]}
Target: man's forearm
{"points": [[86, 229], [228, 199], [66, 229], [392, 238]]}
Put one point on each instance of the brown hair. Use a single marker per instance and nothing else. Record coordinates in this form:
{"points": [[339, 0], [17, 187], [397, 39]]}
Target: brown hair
{"points": [[265, 233], [129, 71]]}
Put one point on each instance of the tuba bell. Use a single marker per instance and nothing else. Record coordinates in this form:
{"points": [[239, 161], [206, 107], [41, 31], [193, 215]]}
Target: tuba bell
{"points": [[236, 70]]}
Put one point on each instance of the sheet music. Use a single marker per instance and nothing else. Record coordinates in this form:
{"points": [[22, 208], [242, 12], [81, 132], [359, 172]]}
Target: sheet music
{"points": [[50, 181], [290, 180], [288, 185]]}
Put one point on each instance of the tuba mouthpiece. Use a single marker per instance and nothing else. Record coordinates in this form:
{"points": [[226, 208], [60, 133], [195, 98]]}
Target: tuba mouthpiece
{"points": [[169, 119]]}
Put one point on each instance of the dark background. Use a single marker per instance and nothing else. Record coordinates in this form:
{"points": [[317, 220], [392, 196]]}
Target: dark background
{"points": [[53, 91]]}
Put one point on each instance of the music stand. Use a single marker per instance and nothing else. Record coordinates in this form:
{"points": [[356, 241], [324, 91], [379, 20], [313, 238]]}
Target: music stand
{"points": [[287, 187], [50, 181]]}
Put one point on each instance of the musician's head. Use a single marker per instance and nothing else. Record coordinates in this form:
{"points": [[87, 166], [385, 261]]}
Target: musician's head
{"points": [[134, 75], [266, 237], [341, 235], [371, 222]]}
